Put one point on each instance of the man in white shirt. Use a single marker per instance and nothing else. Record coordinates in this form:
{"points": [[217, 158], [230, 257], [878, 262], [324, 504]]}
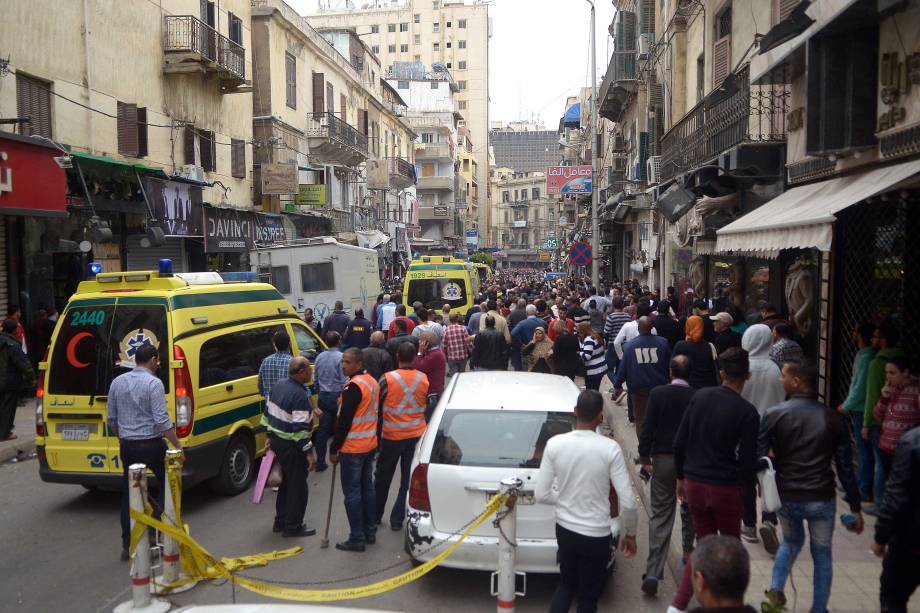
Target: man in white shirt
{"points": [[575, 475], [630, 329]]}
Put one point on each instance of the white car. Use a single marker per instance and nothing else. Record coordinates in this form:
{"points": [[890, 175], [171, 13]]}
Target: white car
{"points": [[488, 425]]}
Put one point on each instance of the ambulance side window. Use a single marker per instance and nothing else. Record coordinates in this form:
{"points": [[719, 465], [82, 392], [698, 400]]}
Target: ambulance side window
{"points": [[236, 355], [307, 345]]}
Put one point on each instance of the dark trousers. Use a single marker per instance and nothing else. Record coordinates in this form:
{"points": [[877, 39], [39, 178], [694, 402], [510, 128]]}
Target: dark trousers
{"points": [[749, 502], [291, 503], [593, 382], [887, 460], [391, 453], [9, 399], [358, 485], [151, 452], [329, 405], [900, 577], [716, 509], [639, 400], [430, 404], [663, 501], [582, 570]]}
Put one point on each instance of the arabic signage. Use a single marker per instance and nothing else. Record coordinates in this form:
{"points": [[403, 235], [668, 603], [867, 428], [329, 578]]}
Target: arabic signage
{"points": [[311, 194], [441, 211], [176, 206], [279, 178], [569, 180], [472, 238], [31, 183]]}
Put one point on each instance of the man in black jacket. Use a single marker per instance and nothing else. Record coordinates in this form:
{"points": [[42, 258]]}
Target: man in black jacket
{"points": [[666, 326], [897, 530], [337, 321], [666, 406], [490, 351], [400, 336], [357, 332], [714, 454], [377, 359], [805, 437]]}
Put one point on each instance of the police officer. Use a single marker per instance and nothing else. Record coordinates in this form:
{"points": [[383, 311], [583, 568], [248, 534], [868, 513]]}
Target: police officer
{"points": [[403, 397], [354, 445]]}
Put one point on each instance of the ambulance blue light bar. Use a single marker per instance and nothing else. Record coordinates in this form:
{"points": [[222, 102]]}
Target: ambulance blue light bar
{"points": [[166, 267]]}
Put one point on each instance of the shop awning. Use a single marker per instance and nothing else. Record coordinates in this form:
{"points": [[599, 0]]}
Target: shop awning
{"points": [[803, 217], [117, 165], [572, 115], [31, 182], [371, 239]]}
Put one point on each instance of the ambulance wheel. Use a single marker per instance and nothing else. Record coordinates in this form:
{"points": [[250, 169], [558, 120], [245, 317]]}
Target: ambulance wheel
{"points": [[237, 467]]}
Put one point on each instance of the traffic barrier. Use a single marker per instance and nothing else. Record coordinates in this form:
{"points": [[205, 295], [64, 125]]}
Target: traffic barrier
{"points": [[505, 578], [201, 565], [168, 582]]}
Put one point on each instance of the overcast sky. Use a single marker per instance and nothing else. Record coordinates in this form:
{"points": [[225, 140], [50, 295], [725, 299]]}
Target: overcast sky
{"points": [[538, 54]]}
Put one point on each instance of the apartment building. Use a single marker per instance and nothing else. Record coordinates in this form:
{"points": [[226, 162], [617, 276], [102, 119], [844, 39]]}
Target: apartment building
{"points": [[451, 33], [122, 162], [524, 218], [468, 205]]}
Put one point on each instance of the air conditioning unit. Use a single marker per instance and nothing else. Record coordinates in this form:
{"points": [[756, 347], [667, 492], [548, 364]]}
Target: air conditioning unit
{"points": [[192, 172], [653, 166], [646, 42]]}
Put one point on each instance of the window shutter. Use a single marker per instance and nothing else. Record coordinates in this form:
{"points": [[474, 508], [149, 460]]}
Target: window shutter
{"points": [[142, 149], [189, 145], [330, 98], [127, 129], [721, 60], [783, 8], [290, 75], [208, 147], [629, 31], [343, 108], [318, 86], [362, 121], [647, 17], [33, 101], [238, 158]]}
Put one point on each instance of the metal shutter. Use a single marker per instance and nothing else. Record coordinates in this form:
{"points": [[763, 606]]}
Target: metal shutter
{"points": [[140, 258], [33, 101], [721, 60], [4, 284], [127, 129], [238, 158]]}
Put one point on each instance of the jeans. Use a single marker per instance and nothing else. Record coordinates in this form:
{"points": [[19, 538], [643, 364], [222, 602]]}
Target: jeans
{"points": [[875, 433], [900, 577], [291, 502], [455, 367], [820, 518], [392, 453], [613, 360], [864, 456], [360, 504], [329, 405], [582, 570], [151, 452]]}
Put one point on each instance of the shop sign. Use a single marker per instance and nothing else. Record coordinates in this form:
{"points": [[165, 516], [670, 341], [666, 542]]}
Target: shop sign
{"points": [[569, 180], [279, 178], [545, 256], [441, 211], [472, 238], [311, 194], [176, 206], [228, 230], [269, 229], [31, 183]]}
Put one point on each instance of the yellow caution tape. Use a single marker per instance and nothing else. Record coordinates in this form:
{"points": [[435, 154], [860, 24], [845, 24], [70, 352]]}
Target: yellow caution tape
{"points": [[201, 565]]}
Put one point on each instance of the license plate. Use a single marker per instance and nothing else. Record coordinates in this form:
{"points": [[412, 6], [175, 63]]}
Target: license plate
{"points": [[75, 432]]}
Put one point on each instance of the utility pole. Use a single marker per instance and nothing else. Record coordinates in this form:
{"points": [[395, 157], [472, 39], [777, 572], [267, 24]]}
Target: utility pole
{"points": [[595, 243]]}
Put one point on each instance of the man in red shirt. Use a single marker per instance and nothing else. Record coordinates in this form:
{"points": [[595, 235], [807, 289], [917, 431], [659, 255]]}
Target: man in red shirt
{"points": [[456, 345], [401, 315], [431, 361]]}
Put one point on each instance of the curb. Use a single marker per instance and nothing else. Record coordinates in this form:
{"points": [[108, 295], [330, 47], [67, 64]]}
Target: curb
{"points": [[21, 448]]}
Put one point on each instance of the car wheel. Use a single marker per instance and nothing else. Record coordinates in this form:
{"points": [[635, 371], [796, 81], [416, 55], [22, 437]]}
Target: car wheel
{"points": [[237, 467], [408, 549]]}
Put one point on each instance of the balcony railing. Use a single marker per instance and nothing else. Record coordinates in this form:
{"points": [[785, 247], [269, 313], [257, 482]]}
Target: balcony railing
{"points": [[342, 221], [748, 114], [430, 151], [402, 173], [622, 66], [185, 34], [329, 126]]}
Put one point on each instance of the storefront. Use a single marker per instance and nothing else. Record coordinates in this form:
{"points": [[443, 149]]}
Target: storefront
{"points": [[231, 234]]}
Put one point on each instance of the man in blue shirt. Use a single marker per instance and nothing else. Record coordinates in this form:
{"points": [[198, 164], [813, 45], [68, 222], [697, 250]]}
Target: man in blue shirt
{"points": [[337, 321], [274, 367], [644, 365], [329, 381]]}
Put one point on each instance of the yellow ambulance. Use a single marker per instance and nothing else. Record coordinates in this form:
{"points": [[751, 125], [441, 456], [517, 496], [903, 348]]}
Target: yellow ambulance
{"points": [[211, 335], [437, 280]]}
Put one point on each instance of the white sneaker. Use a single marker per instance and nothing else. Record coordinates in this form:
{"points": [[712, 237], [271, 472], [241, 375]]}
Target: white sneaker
{"points": [[672, 609]]}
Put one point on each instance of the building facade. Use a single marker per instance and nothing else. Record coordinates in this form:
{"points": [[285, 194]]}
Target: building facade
{"points": [[452, 33], [525, 150], [525, 219]]}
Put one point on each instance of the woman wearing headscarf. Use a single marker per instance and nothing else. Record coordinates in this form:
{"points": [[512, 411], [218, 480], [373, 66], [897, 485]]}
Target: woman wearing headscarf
{"points": [[539, 352], [593, 354], [704, 372], [566, 359]]}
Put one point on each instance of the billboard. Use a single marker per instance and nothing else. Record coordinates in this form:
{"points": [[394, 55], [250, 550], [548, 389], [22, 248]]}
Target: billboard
{"points": [[311, 194], [569, 180], [472, 239], [279, 178]]}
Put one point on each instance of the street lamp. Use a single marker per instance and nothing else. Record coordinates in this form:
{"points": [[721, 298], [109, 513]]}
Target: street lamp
{"points": [[595, 265]]}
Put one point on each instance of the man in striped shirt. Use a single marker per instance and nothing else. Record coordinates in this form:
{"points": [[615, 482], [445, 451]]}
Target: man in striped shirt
{"points": [[612, 325], [289, 420]]}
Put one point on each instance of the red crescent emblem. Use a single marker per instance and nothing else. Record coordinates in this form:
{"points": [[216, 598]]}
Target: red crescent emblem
{"points": [[72, 350]]}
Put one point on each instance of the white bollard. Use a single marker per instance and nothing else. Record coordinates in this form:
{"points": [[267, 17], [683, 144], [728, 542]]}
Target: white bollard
{"points": [[141, 600], [172, 564], [503, 581]]}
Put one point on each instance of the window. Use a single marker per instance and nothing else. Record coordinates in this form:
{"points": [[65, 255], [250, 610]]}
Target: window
{"points": [[461, 85], [132, 130], [402, 85], [236, 355], [238, 158], [437, 47], [375, 49], [375, 29], [427, 137], [461, 44], [280, 277], [317, 277], [436, 26], [33, 102], [436, 4], [391, 27], [506, 197], [435, 84], [461, 65], [700, 77], [417, 39], [417, 18], [449, 64], [461, 104], [448, 24], [722, 47], [200, 148], [404, 27], [391, 48], [290, 79], [417, 58], [404, 48], [307, 345], [535, 193], [235, 28]]}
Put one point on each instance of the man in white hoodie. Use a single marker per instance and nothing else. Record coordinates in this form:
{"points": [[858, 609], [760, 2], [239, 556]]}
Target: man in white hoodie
{"points": [[763, 390]]}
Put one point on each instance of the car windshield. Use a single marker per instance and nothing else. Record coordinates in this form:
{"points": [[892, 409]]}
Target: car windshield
{"points": [[435, 293], [96, 343], [506, 439]]}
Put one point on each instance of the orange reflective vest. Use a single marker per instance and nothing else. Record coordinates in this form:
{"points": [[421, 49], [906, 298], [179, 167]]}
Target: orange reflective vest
{"points": [[404, 405], [362, 437]]}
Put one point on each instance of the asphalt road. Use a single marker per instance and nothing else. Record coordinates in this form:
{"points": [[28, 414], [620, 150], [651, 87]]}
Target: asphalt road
{"points": [[61, 549]]}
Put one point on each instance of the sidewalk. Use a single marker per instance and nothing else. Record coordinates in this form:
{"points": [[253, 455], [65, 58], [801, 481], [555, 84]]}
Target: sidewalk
{"points": [[856, 569], [24, 428]]}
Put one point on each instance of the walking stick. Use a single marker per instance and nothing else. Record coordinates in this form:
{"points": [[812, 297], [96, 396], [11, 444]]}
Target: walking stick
{"points": [[325, 542]]}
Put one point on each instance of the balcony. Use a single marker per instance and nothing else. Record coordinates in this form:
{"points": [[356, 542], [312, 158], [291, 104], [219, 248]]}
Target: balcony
{"points": [[517, 203], [342, 221], [190, 45], [433, 151], [435, 183], [736, 114], [402, 173], [332, 140], [618, 86]]}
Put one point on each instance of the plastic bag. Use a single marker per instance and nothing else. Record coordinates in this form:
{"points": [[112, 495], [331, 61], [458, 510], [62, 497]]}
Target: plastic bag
{"points": [[768, 490]]}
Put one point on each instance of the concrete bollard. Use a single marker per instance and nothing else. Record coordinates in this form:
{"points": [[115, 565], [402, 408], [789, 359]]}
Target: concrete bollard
{"points": [[141, 600], [172, 564], [504, 580]]}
